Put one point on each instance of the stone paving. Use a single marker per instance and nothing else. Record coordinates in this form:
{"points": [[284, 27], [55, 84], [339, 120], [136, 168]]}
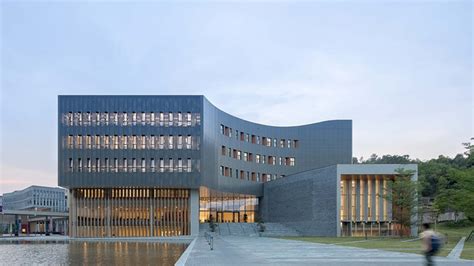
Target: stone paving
{"points": [[234, 250]]}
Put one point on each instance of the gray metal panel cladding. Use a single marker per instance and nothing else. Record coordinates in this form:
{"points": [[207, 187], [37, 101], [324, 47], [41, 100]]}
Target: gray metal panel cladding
{"points": [[320, 144]]}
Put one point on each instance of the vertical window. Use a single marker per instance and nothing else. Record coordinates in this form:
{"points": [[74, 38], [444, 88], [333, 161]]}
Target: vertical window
{"points": [[257, 158], [161, 118], [170, 142], [180, 119], [79, 118], [134, 165], [274, 142], [89, 165], [180, 142], [247, 137], [170, 120], [170, 165], [188, 119], [162, 165], [180, 165], [125, 165], [189, 165], [242, 136], [79, 165], [188, 142], [125, 118], [152, 165], [152, 118], [134, 142], [264, 159], [70, 142], [106, 141], [229, 152], [71, 165], [292, 161], [116, 142], [152, 142], [239, 155], [89, 118], [246, 156], [222, 170], [222, 130], [295, 143], [97, 141], [70, 119], [97, 118], [288, 141], [143, 142], [258, 139], [282, 143], [134, 118], [79, 141], [143, 167], [106, 166], [89, 142], [116, 119], [97, 164], [125, 141], [223, 149], [143, 119], [106, 118], [162, 142], [116, 165]]}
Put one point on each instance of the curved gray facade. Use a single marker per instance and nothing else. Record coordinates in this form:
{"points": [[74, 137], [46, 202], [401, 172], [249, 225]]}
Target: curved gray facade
{"points": [[109, 119]]}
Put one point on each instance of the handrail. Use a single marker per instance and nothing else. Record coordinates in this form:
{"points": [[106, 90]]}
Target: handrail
{"points": [[471, 235]]}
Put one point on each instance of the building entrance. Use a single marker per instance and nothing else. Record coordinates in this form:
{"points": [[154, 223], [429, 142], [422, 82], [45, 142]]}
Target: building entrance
{"points": [[228, 217]]}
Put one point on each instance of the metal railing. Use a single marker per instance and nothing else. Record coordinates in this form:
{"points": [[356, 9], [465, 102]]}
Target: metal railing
{"points": [[471, 236], [209, 239]]}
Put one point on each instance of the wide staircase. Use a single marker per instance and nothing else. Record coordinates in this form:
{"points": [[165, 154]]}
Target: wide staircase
{"points": [[277, 229], [248, 229]]}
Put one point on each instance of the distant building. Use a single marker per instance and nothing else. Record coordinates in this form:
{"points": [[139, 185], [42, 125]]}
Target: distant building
{"points": [[36, 197], [1, 203]]}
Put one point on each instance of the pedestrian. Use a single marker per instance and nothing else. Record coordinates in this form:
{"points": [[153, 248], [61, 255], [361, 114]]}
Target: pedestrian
{"points": [[431, 243]]}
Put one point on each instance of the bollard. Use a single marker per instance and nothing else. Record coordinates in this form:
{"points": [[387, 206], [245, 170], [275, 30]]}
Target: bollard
{"points": [[212, 243]]}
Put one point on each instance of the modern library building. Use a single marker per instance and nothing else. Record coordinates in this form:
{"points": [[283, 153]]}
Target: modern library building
{"points": [[157, 166]]}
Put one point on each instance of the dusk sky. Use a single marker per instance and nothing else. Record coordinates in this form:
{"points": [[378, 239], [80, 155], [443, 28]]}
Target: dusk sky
{"points": [[402, 71]]}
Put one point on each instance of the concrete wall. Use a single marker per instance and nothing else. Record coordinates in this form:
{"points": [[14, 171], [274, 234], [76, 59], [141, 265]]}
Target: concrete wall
{"points": [[307, 202]]}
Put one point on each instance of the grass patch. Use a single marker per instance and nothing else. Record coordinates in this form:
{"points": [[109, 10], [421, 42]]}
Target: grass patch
{"points": [[453, 234], [468, 251]]}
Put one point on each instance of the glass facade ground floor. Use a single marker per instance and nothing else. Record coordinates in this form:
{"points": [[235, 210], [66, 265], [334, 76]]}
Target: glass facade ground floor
{"points": [[130, 212], [223, 207]]}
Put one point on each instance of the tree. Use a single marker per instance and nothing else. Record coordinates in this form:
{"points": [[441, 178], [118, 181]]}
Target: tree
{"points": [[403, 193]]}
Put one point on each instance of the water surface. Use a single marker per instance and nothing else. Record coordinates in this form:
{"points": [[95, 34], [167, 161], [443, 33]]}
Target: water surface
{"points": [[90, 253]]}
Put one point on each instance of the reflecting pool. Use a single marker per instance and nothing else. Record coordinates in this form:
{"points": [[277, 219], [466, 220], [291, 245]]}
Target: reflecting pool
{"points": [[90, 253]]}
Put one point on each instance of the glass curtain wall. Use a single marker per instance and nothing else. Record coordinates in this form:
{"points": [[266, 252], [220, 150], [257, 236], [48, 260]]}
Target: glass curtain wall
{"points": [[225, 207]]}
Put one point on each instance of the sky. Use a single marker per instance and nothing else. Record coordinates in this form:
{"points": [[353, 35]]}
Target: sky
{"points": [[401, 70]]}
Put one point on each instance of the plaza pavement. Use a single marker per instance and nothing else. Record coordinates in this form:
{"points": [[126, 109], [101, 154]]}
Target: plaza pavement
{"points": [[234, 250]]}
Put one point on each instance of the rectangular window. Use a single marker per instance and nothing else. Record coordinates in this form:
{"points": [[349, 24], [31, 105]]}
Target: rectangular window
{"points": [[161, 142], [189, 165], [116, 165], [143, 166], [134, 118], [116, 142], [106, 142], [239, 155], [89, 142], [188, 119], [97, 141], [170, 142], [292, 161], [134, 165], [125, 165], [70, 119], [162, 165], [71, 165], [161, 118], [152, 165], [152, 118], [106, 164], [264, 159], [89, 118], [247, 137], [170, 165], [188, 142], [143, 142], [79, 165], [222, 170], [246, 156], [116, 120], [229, 152], [125, 118], [106, 118], [152, 142], [288, 143], [70, 142], [295, 143], [134, 142], [258, 140], [223, 149], [97, 164], [79, 141], [170, 120], [180, 119], [143, 118], [242, 136], [274, 142], [89, 165], [257, 158], [180, 142], [180, 165]]}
